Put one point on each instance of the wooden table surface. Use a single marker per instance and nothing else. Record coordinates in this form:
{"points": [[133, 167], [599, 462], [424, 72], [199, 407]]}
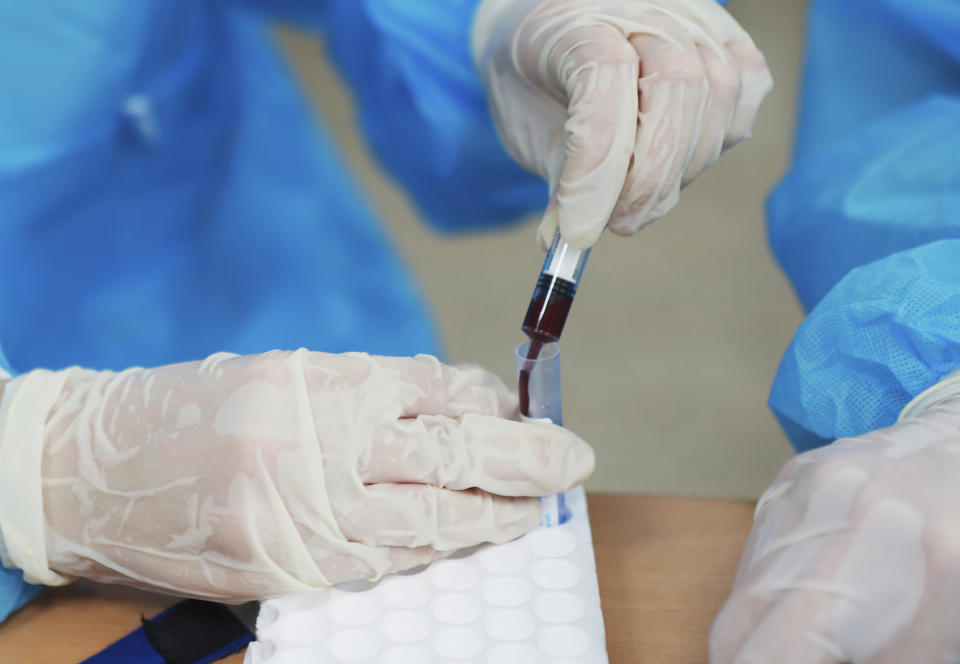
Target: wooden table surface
{"points": [[665, 566]]}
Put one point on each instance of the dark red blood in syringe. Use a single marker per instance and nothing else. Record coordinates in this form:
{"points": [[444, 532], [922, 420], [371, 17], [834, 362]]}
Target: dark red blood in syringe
{"points": [[543, 323]]}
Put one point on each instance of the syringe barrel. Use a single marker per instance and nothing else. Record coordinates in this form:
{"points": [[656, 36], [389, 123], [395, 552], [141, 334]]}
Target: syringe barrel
{"points": [[553, 294]]}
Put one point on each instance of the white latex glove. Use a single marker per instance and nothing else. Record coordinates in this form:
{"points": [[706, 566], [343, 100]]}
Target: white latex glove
{"points": [[618, 104], [242, 478], [855, 553]]}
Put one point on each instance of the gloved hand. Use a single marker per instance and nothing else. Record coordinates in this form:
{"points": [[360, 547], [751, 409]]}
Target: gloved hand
{"points": [[855, 553], [244, 477], [618, 104]]}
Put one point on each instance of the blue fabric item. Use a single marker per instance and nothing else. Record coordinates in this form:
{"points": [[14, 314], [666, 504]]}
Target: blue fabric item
{"points": [[182, 203], [885, 333], [14, 591], [892, 185], [4, 365], [422, 105], [191, 631], [856, 222], [415, 61], [133, 648]]}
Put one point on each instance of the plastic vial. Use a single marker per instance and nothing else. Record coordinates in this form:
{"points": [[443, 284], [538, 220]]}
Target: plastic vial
{"points": [[545, 403], [543, 381]]}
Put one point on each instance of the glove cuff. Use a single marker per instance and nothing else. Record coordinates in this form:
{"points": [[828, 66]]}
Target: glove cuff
{"points": [[946, 389], [26, 405]]}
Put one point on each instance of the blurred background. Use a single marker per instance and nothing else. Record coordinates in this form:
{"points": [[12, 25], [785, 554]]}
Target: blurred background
{"points": [[676, 333]]}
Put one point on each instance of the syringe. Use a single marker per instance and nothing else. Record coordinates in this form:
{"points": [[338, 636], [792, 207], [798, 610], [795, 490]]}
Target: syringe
{"points": [[550, 304]]}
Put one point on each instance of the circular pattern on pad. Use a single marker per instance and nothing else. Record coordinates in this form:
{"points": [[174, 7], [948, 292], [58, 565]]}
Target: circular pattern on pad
{"points": [[529, 601], [304, 601], [563, 641], [454, 575], [558, 607], [509, 624], [287, 656], [555, 574], [505, 558], [507, 591], [354, 610], [458, 643], [354, 645], [514, 653], [405, 592], [262, 649], [551, 542], [405, 626], [301, 629], [457, 608], [269, 612], [407, 655]]}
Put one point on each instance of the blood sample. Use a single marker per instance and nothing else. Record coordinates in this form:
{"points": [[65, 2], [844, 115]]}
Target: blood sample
{"points": [[550, 304]]}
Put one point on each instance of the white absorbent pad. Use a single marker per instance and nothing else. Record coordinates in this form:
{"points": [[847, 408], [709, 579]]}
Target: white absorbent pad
{"points": [[532, 601]]}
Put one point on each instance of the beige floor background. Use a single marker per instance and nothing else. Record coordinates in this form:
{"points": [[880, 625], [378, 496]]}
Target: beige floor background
{"points": [[675, 334]]}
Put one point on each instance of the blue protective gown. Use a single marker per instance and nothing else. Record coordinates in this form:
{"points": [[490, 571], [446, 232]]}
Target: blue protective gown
{"points": [[165, 192], [867, 222]]}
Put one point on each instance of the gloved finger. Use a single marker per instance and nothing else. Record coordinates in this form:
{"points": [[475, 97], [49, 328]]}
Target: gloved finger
{"points": [[797, 630], [746, 635], [478, 451], [599, 74], [722, 99], [414, 515], [426, 386], [673, 93], [792, 553], [756, 83], [773, 564], [737, 619], [548, 224], [759, 586], [403, 558], [931, 636], [341, 568]]}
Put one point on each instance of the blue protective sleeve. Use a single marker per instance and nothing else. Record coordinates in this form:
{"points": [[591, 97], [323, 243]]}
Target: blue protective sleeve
{"points": [[162, 157], [863, 224], [875, 168], [424, 110], [868, 58], [14, 592], [892, 185], [4, 365], [886, 332]]}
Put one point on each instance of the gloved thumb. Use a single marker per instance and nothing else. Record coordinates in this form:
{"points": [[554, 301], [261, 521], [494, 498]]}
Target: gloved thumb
{"points": [[548, 225], [599, 72]]}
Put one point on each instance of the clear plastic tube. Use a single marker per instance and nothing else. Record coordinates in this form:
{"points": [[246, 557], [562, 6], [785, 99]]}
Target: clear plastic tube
{"points": [[544, 387], [545, 403]]}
